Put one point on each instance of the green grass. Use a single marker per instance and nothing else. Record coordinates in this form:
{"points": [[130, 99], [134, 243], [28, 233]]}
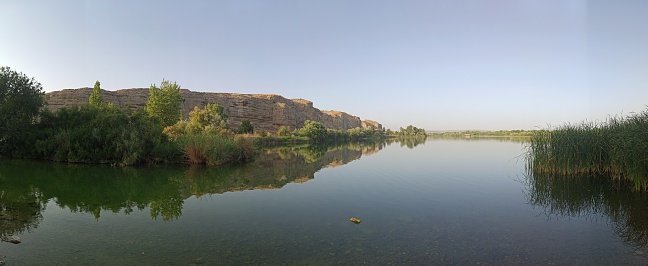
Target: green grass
{"points": [[617, 148]]}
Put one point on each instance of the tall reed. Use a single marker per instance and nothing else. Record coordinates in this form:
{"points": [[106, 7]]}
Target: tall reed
{"points": [[212, 149], [617, 148]]}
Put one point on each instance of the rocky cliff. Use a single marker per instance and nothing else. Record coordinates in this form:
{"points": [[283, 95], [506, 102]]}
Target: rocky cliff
{"points": [[266, 112]]}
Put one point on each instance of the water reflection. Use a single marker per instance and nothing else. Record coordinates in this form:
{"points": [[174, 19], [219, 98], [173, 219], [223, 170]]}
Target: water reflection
{"points": [[516, 139], [411, 141], [594, 198], [27, 186], [274, 169], [20, 208]]}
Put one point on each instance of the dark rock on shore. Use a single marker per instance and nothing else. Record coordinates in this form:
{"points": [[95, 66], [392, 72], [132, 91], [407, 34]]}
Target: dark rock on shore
{"points": [[11, 239]]}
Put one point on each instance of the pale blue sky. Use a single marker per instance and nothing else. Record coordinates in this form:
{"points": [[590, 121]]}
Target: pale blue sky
{"points": [[517, 64]]}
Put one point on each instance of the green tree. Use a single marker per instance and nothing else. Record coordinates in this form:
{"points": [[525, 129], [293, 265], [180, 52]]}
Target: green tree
{"points": [[164, 102], [21, 98], [316, 131], [210, 119], [95, 98], [246, 127], [284, 131], [412, 131]]}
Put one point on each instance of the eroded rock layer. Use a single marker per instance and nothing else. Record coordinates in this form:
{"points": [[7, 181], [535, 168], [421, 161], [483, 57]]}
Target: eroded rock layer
{"points": [[266, 112]]}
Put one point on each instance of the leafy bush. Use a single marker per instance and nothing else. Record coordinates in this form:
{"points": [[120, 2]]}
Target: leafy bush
{"points": [[204, 138], [92, 134], [314, 131], [283, 131], [209, 119], [411, 131], [245, 127]]}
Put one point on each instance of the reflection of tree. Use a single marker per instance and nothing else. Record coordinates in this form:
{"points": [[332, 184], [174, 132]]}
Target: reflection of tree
{"points": [[20, 203], [168, 208], [93, 189], [274, 168], [591, 197], [412, 141], [20, 209], [26, 186]]}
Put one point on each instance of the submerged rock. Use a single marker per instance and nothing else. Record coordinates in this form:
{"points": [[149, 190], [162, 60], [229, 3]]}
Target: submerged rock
{"points": [[11, 239]]}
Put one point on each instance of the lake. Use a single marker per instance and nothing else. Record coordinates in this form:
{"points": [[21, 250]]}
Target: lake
{"points": [[440, 201]]}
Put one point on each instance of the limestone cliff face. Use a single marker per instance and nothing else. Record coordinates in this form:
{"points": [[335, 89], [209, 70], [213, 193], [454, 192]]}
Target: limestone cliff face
{"points": [[371, 124], [266, 112]]}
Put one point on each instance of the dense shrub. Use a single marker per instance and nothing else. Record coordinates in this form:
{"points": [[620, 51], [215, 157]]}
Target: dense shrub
{"points": [[245, 127], [210, 119], [205, 139], [317, 133], [411, 131], [314, 131], [92, 134], [283, 131]]}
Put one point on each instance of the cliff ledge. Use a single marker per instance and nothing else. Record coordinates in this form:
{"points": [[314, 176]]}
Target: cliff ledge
{"points": [[266, 112]]}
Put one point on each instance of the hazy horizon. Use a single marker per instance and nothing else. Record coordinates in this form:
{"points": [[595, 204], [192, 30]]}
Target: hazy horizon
{"points": [[439, 65]]}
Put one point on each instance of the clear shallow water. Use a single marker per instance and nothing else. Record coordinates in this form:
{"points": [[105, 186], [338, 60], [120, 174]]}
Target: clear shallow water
{"points": [[441, 202]]}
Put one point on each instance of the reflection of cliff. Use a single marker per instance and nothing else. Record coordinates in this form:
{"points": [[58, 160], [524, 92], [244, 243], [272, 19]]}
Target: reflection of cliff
{"points": [[626, 208], [274, 169], [27, 186]]}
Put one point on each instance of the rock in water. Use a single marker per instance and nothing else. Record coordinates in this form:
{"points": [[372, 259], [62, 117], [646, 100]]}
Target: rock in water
{"points": [[11, 239]]}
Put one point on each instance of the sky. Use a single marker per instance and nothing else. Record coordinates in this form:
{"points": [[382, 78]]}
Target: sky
{"points": [[439, 65]]}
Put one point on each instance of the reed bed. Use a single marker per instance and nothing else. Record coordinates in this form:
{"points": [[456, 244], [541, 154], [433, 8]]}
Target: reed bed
{"points": [[617, 148]]}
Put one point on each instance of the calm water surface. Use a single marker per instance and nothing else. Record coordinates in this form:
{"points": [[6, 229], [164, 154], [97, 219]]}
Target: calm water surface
{"points": [[443, 201]]}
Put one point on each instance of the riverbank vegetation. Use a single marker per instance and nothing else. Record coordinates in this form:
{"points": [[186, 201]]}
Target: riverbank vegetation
{"points": [[617, 149], [100, 132], [410, 131], [105, 134], [316, 133], [27, 186], [484, 133], [204, 138]]}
